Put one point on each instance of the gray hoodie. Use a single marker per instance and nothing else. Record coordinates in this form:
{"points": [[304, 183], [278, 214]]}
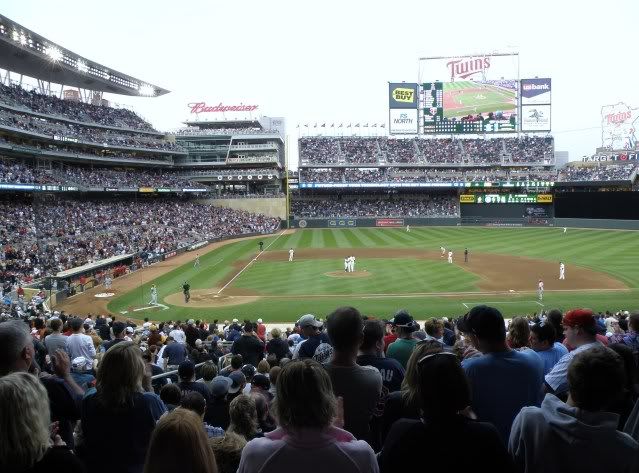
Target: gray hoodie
{"points": [[558, 438]]}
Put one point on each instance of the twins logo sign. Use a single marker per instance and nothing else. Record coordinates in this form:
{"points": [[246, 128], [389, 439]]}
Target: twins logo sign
{"points": [[403, 122]]}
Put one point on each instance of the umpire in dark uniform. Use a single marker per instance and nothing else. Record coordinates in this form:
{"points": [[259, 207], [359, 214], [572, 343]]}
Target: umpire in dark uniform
{"points": [[465, 255]]}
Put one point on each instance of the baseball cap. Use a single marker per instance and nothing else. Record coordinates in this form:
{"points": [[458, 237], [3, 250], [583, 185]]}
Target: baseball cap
{"points": [[403, 319], [579, 317], [129, 330], [235, 321], [190, 322], [484, 322], [248, 370], [153, 327], [261, 381], [186, 369], [118, 327], [259, 321], [198, 343], [220, 386], [237, 381], [309, 320]]}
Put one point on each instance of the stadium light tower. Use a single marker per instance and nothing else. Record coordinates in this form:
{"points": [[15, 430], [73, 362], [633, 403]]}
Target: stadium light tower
{"points": [[54, 53]]}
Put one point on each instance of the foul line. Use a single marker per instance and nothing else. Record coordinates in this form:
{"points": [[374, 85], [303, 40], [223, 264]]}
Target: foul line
{"points": [[249, 264]]}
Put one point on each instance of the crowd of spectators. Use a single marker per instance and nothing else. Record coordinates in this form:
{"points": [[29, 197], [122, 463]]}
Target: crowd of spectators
{"points": [[193, 130], [424, 174], [17, 96], [601, 172], [360, 150], [549, 393], [45, 237], [66, 131], [433, 206]]}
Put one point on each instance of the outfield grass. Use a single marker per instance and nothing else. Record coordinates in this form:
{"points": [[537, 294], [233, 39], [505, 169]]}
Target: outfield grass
{"points": [[613, 252]]}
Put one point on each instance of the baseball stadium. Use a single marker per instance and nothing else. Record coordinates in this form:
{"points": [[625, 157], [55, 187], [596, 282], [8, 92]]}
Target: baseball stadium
{"points": [[243, 294]]}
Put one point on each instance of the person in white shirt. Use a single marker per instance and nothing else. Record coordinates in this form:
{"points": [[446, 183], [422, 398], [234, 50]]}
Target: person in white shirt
{"points": [[178, 335], [540, 289], [291, 253], [450, 257], [79, 344], [562, 270]]}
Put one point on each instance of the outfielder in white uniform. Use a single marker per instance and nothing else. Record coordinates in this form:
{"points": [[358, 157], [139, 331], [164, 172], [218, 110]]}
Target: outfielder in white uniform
{"points": [[154, 295], [197, 261], [408, 228], [450, 257], [565, 229], [345, 264], [291, 253], [540, 290], [352, 264], [443, 250], [562, 271]]}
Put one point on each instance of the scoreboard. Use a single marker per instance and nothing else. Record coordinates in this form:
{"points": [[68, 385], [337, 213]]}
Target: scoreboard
{"points": [[434, 107], [505, 198]]}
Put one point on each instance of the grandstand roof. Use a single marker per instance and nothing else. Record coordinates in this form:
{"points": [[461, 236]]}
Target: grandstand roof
{"points": [[28, 53]]}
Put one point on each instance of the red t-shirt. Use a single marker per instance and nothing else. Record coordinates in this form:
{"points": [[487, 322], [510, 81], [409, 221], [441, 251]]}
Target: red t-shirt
{"points": [[261, 331], [388, 339]]}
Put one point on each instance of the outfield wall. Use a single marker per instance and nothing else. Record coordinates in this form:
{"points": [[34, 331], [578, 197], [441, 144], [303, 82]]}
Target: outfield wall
{"points": [[371, 222], [273, 207], [597, 223]]}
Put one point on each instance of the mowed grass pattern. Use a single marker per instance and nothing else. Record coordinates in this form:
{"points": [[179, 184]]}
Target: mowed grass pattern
{"points": [[613, 252]]}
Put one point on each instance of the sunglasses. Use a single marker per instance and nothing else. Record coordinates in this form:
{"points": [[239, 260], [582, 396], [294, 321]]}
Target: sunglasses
{"points": [[424, 358]]}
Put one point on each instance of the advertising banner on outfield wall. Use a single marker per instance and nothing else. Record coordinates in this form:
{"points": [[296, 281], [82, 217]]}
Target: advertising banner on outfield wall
{"points": [[535, 118], [535, 91], [612, 157], [342, 222], [402, 95], [389, 222], [402, 122]]}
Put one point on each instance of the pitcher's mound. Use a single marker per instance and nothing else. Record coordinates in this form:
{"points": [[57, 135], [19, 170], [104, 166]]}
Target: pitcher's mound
{"points": [[344, 274], [209, 298]]}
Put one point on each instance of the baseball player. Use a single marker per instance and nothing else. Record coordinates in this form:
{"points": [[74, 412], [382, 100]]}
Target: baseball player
{"points": [[450, 257], [261, 246], [345, 265], [154, 295], [562, 269], [408, 228], [291, 253], [107, 282], [352, 264], [443, 250], [540, 289], [197, 261], [186, 288], [465, 255], [565, 229]]}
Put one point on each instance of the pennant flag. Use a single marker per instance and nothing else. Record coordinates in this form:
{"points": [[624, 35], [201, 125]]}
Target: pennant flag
{"points": [[374, 125], [298, 125], [306, 125], [315, 126], [357, 125], [332, 125], [323, 125], [349, 125], [383, 125], [340, 125], [366, 126]]}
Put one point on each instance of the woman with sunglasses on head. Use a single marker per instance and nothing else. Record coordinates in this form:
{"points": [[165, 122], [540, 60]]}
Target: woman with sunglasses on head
{"points": [[445, 428]]}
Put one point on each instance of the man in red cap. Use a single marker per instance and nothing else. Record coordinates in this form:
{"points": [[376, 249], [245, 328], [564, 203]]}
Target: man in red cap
{"points": [[580, 329]]}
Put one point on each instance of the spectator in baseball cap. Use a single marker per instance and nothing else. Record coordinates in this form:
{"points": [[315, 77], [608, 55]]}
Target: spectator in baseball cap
{"points": [[443, 392], [502, 380], [217, 409], [402, 348], [580, 330], [313, 336], [238, 381]]}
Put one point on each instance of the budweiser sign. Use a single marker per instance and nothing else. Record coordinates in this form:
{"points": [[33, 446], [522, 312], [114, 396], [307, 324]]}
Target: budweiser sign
{"points": [[202, 107], [466, 67]]}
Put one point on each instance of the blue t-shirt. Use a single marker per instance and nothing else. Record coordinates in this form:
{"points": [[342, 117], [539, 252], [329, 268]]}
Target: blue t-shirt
{"points": [[175, 352], [308, 347], [131, 426], [551, 356], [391, 370], [502, 383]]}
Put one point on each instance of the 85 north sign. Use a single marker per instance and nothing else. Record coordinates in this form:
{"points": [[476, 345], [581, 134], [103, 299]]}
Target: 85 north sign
{"points": [[403, 122]]}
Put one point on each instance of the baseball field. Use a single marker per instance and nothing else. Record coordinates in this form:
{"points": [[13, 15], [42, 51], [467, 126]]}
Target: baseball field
{"points": [[394, 269], [466, 97]]}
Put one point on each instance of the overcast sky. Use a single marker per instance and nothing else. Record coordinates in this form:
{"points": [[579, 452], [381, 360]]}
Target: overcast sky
{"points": [[330, 61]]}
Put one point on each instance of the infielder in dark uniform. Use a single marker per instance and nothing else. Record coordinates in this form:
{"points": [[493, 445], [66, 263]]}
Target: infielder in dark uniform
{"points": [[186, 287], [465, 255], [261, 246]]}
